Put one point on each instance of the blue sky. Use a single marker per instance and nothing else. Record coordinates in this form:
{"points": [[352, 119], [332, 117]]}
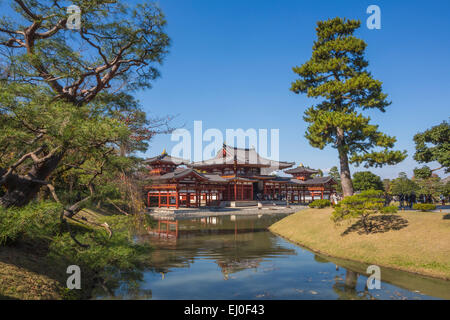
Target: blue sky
{"points": [[230, 65]]}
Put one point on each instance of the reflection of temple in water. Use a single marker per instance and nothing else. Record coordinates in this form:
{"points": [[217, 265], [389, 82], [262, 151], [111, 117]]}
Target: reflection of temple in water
{"points": [[238, 242], [180, 229]]}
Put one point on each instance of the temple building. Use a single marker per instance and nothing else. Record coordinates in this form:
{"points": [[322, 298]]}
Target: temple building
{"points": [[234, 176]]}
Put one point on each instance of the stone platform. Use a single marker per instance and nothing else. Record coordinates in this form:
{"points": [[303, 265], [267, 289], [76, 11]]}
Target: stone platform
{"points": [[171, 213]]}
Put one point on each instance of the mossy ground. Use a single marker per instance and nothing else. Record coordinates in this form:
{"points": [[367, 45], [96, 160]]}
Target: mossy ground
{"points": [[26, 272]]}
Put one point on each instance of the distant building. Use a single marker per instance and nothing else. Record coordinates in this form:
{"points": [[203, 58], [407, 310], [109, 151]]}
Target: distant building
{"points": [[234, 174]]}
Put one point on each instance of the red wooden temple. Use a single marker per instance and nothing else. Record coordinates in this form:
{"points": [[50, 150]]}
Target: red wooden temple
{"points": [[233, 175]]}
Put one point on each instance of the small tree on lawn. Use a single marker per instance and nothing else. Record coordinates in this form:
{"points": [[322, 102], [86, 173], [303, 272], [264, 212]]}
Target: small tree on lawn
{"points": [[361, 206]]}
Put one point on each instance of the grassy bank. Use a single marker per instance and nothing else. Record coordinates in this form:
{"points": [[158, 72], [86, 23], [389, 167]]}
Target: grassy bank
{"points": [[34, 260], [417, 242]]}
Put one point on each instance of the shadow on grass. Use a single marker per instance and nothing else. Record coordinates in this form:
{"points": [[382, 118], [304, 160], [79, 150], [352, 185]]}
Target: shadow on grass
{"points": [[446, 217], [378, 224]]}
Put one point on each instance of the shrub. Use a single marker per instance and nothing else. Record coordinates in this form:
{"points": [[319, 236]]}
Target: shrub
{"points": [[322, 203], [362, 206], [424, 206], [104, 259], [35, 221]]}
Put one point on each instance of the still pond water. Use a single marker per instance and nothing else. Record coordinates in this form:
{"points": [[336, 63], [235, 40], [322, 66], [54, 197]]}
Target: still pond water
{"points": [[236, 257]]}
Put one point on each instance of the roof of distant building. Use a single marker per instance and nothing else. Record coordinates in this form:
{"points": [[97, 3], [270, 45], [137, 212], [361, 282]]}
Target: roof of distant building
{"points": [[301, 170], [164, 157]]}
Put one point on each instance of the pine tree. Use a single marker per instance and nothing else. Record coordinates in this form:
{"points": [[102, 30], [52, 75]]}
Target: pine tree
{"points": [[366, 180], [434, 145], [337, 75], [59, 88]]}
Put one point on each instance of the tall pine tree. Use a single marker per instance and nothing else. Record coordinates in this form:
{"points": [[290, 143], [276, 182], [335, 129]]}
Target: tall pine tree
{"points": [[337, 75]]}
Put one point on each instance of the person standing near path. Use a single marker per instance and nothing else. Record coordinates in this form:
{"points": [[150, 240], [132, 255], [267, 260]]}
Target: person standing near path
{"points": [[334, 199]]}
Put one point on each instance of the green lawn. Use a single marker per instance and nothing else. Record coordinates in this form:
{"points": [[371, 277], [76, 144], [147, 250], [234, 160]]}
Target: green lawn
{"points": [[411, 241]]}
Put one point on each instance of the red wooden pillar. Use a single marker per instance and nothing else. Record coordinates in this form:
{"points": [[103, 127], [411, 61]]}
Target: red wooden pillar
{"points": [[177, 200], [251, 190], [199, 194], [242, 191], [148, 199], [197, 198], [321, 195], [159, 198], [235, 191]]}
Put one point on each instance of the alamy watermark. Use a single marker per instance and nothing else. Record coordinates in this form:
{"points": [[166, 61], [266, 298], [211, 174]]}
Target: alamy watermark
{"points": [[374, 20], [74, 19], [74, 280], [243, 140], [374, 280]]}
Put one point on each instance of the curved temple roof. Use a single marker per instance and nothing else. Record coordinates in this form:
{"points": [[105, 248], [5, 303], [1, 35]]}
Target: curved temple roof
{"points": [[301, 170], [180, 173], [166, 158], [314, 181], [249, 157]]}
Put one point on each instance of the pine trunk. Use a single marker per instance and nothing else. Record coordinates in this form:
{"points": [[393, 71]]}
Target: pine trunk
{"points": [[20, 190], [346, 179]]}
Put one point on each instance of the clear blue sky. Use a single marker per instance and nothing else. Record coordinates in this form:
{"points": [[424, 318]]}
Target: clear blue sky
{"points": [[230, 65]]}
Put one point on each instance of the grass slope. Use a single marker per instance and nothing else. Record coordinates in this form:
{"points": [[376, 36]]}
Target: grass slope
{"points": [[417, 242]]}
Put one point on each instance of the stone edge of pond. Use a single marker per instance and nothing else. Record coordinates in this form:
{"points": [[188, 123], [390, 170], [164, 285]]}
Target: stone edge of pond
{"points": [[202, 213]]}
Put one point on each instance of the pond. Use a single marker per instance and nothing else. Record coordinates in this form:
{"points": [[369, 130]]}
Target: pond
{"points": [[236, 257]]}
